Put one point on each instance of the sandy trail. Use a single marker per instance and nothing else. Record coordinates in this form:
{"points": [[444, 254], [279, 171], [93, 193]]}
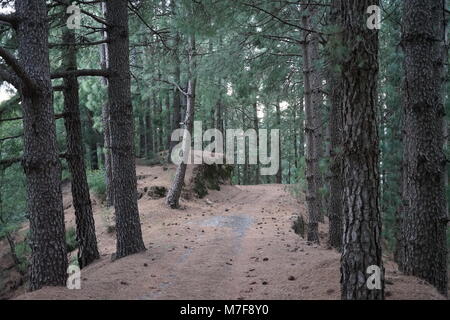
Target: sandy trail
{"points": [[237, 243]]}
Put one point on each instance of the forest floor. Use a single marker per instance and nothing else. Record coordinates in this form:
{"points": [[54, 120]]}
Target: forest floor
{"points": [[236, 243]]}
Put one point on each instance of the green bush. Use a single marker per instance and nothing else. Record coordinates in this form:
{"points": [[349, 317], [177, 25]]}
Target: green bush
{"points": [[71, 239], [96, 182]]}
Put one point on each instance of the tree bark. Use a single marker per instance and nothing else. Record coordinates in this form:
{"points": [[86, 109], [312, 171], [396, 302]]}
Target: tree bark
{"points": [[108, 158], [128, 226], [279, 175], [148, 131], [256, 127], [312, 198], [317, 106], [335, 129], [142, 145], [425, 217], [48, 263], [85, 225], [176, 116], [173, 196], [360, 142]]}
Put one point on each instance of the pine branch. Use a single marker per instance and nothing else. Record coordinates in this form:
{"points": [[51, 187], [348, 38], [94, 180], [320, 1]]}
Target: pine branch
{"points": [[16, 66]]}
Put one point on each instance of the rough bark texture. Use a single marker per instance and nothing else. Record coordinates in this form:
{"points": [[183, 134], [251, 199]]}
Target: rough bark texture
{"points": [[108, 157], [173, 197], [317, 106], [128, 226], [176, 115], [48, 263], [361, 211], [85, 225], [104, 60], [335, 131], [425, 217], [312, 198]]}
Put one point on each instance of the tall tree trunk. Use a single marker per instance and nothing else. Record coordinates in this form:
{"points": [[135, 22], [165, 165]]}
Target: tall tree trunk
{"points": [[256, 127], [312, 197], [360, 153], [425, 218], [128, 226], [148, 131], [173, 196], [176, 117], [85, 225], [48, 263], [335, 129], [104, 61], [167, 123], [91, 141], [279, 175], [93, 154], [317, 106], [296, 157], [142, 145], [108, 157], [154, 125]]}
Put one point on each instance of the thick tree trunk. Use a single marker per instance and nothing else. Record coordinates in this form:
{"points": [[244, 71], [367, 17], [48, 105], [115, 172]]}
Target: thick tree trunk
{"points": [[128, 226], [312, 197], [48, 263], [173, 196], [85, 225], [360, 153], [425, 218]]}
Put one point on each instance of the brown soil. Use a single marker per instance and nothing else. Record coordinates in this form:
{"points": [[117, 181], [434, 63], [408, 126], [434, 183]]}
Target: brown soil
{"points": [[237, 243]]}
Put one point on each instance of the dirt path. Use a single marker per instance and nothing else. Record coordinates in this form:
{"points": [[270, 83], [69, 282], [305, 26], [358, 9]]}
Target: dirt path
{"points": [[236, 243]]}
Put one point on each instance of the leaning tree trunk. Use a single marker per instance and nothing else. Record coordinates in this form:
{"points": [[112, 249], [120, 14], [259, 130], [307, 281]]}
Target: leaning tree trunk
{"points": [[48, 263], [173, 196], [128, 226], [312, 198], [360, 153], [425, 218], [85, 225]]}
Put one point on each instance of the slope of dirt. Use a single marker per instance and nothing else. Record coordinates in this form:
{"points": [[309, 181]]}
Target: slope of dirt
{"points": [[237, 243]]}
